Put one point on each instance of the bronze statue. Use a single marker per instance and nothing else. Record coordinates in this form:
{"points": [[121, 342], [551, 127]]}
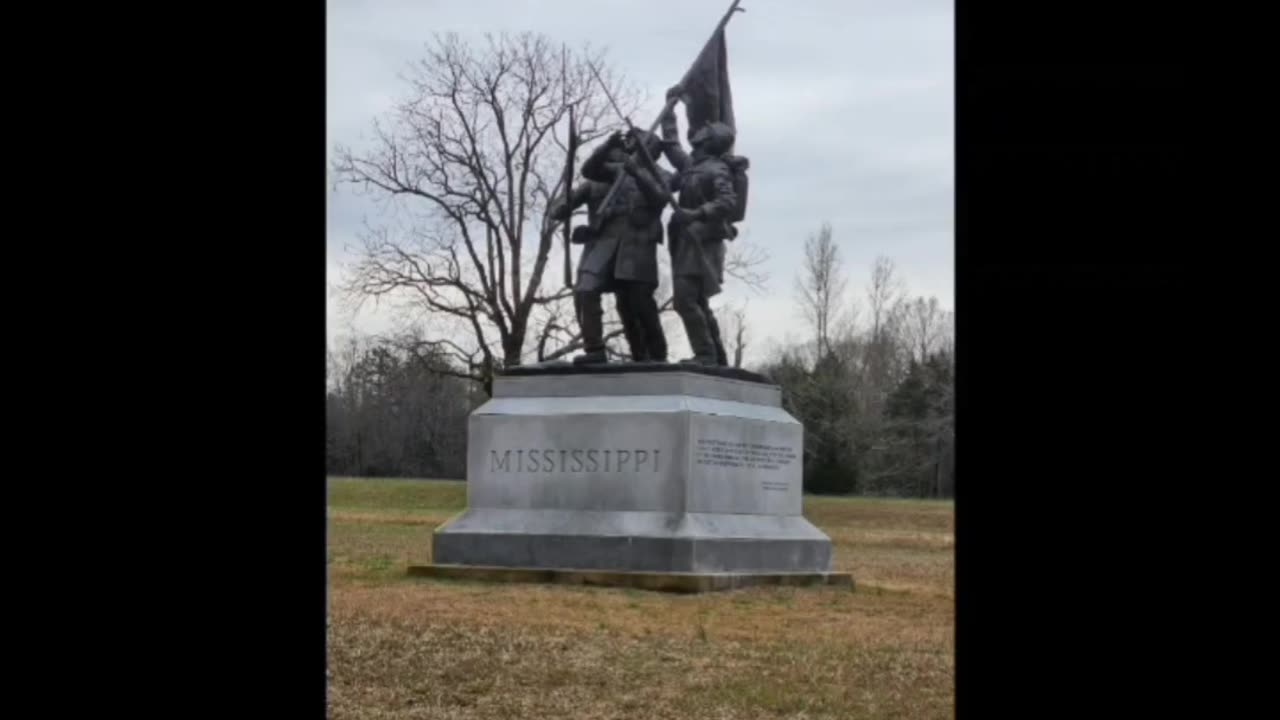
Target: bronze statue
{"points": [[620, 253], [699, 227], [712, 188]]}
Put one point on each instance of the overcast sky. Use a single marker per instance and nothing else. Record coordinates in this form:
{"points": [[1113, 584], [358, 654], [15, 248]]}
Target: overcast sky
{"points": [[845, 108]]}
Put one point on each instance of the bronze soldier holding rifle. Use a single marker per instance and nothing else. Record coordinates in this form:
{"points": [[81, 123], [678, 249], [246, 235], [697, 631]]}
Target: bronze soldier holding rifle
{"points": [[620, 253]]}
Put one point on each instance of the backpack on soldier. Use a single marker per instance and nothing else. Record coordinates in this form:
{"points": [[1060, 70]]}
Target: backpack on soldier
{"points": [[738, 168], [738, 171]]}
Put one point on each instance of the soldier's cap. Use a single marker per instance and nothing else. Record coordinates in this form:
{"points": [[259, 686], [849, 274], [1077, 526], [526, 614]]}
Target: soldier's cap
{"points": [[715, 137]]}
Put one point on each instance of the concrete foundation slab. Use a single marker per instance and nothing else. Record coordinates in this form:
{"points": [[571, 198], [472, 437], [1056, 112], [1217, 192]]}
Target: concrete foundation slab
{"points": [[655, 581]]}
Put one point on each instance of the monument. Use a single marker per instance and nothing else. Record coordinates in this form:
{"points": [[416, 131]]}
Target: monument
{"points": [[689, 474], [681, 477]]}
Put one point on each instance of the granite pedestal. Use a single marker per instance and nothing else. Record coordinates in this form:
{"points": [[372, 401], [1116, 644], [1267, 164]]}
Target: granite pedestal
{"points": [[634, 469]]}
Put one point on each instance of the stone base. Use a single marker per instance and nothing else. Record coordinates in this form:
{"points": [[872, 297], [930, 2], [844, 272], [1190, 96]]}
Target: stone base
{"points": [[675, 582], [632, 541], [636, 468]]}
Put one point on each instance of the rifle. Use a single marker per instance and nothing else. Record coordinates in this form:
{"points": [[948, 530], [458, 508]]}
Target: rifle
{"points": [[565, 181], [568, 179]]}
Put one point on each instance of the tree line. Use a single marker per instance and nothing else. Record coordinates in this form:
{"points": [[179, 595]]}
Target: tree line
{"points": [[393, 412], [874, 386]]}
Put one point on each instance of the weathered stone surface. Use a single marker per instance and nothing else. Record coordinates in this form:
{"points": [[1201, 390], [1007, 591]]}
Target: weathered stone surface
{"points": [[638, 384], [660, 471]]}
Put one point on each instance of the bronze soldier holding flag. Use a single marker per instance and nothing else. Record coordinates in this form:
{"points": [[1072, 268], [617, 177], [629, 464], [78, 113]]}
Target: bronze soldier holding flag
{"points": [[699, 227]]}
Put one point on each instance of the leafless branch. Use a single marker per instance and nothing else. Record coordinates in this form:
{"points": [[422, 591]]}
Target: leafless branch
{"points": [[745, 262]]}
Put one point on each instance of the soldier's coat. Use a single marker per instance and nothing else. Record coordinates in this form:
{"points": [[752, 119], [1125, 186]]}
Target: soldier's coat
{"points": [[626, 246], [705, 184]]}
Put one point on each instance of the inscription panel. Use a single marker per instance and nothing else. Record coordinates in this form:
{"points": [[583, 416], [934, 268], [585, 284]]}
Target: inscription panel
{"points": [[738, 465], [739, 454]]}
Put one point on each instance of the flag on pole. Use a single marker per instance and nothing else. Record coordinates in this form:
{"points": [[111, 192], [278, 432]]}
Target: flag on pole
{"points": [[707, 97]]}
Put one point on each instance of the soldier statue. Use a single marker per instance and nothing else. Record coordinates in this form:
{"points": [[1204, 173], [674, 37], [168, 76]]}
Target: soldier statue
{"points": [[699, 227], [621, 247]]}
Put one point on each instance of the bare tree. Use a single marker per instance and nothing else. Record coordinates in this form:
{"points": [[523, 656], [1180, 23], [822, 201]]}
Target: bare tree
{"points": [[472, 157], [947, 333], [883, 361], [734, 327], [744, 261], [924, 326], [392, 413], [850, 319], [884, 293], [820, 289]]}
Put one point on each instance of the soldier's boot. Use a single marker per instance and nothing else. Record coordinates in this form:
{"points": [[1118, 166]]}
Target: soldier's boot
{"points": [[695, 328], [639, 352], [655, 338], [632, 328], [591, 320], [657, 346], [643, 310], [713, 327], [635, 340], [688, 301], [592, 357]]}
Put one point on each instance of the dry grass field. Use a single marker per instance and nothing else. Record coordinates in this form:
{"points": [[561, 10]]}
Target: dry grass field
{"points": [[402, 647]]}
